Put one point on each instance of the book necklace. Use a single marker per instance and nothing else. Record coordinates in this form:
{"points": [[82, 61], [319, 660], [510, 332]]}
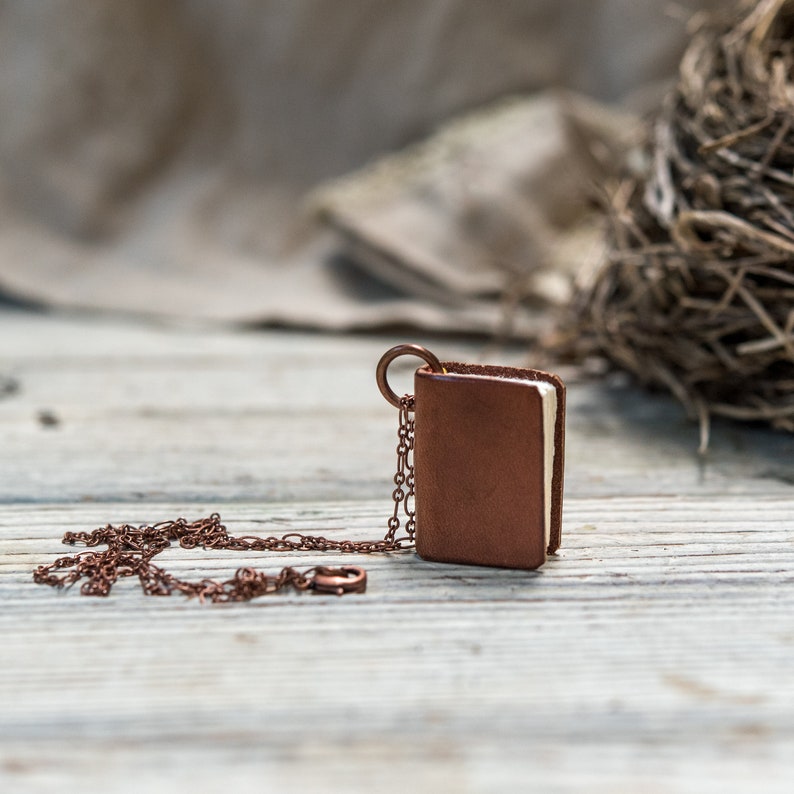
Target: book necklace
{"points": [[478, 481]]}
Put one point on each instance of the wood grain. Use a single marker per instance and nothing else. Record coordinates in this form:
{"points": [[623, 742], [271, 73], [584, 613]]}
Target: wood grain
{"points": [[654, 653]]}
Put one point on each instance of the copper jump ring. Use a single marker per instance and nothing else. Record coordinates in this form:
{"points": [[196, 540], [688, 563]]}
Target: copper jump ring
{"points": [[395, 352]]}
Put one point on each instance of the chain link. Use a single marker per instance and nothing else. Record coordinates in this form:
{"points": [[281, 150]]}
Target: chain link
{"points": [[130, 549]]}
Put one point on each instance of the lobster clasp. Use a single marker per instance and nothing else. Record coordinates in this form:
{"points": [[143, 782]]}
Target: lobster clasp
{"points": [[338, 581]]}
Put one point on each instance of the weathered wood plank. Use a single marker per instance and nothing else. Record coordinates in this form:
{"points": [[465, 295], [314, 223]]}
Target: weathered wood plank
{"points": [[151, 415], [666, 641], [654, 653]]}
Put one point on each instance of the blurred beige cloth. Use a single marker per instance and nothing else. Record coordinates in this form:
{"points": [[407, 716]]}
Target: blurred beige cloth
{"points": [[491, 210], [155, 158]]}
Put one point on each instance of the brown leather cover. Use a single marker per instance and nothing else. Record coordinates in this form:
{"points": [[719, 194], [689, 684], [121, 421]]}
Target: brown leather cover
{"points": [[478, 461]]}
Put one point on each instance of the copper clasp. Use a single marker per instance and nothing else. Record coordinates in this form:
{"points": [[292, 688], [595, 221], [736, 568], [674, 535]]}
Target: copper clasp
{"points": [[338, 581]]}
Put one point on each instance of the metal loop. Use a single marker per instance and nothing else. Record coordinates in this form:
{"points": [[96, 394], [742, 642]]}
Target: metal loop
{"points": [[395, 352], [338, 581]]}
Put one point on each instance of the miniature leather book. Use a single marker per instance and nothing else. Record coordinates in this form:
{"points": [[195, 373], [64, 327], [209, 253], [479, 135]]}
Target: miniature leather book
{"points": [[488, 463]]}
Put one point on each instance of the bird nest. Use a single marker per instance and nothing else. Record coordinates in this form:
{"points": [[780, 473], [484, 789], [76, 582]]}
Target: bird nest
{"points": [[697, 290]]}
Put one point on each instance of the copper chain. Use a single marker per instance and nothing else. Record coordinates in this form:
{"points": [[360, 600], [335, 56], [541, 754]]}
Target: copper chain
{"points": [[404, 490], [129, 550]]}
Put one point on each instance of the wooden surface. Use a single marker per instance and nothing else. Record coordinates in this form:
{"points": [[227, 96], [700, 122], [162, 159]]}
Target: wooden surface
{"points": [[655, 653]]}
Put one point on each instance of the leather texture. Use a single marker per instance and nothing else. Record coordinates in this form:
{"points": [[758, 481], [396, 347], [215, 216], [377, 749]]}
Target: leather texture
{"points": [[479, 466]]}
